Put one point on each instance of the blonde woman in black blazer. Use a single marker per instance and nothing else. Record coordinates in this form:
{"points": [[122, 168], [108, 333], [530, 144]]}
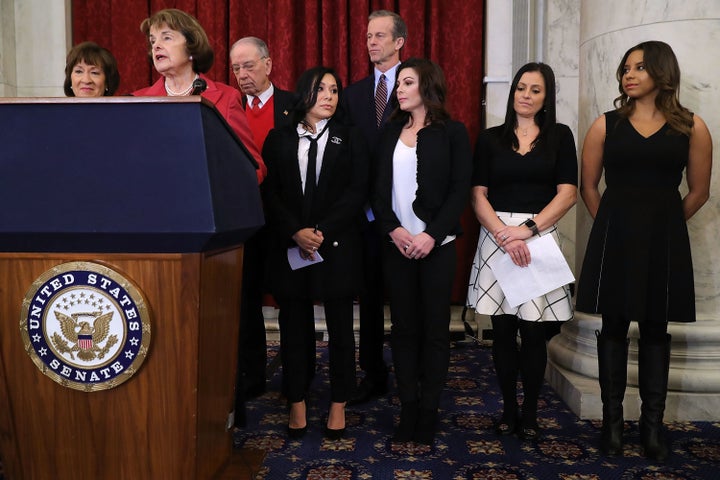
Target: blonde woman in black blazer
{"points": [[421, 189], [328, 225]]}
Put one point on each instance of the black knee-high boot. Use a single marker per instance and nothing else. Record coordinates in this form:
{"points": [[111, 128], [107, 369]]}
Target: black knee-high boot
{"points": [[533, 360], [612, 374], [653, 370], [506, 359]]}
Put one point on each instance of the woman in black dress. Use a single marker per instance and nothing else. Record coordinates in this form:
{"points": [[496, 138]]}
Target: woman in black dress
{"points": [[637, 264], [524, 181], [314, 194]]}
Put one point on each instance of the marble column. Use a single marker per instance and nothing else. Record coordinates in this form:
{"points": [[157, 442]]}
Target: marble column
{"points": [[34, 39], [607, 29]]}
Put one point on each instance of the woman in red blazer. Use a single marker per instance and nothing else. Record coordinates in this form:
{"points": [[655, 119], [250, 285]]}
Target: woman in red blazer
{"points": [[181, 53]]}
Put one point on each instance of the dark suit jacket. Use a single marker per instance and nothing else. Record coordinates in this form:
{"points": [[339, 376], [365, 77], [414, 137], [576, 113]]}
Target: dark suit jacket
{"points": [[444, 168], [358, 103], [337, 208], [284, 102]]}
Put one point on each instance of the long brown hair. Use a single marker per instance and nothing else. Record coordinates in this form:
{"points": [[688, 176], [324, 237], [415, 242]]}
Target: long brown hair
{"points": [[662, 66], [432, 88]]}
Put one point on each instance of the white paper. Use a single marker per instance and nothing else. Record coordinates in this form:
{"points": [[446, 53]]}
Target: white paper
{"points": [[547, 271], [297, 261]]}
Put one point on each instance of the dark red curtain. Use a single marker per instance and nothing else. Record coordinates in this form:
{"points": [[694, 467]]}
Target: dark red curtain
{"points": [[302, 34]]}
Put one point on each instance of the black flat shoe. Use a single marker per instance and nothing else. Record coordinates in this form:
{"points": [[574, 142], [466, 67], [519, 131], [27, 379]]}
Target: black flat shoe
{"points": [[506, 427], [529, 432], [334, 434], [368, 389]]}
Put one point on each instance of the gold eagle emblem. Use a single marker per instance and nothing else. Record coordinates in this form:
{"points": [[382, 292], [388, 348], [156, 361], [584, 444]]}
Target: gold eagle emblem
{"points": [[84, 339]]}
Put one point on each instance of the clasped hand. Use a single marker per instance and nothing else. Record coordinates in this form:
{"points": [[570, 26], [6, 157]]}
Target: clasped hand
{"points": [[512, 240], [411, 246], [309, 240]]}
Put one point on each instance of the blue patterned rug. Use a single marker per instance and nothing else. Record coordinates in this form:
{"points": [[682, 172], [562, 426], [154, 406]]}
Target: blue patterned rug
{"points": [[466, 447]]}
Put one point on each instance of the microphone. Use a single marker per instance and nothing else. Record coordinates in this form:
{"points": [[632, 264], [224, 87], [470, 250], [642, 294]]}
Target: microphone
{"points": [[198, 86]]}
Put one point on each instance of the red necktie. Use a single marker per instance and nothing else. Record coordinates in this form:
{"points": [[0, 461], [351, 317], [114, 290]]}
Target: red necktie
{"points": [[255, 102]]}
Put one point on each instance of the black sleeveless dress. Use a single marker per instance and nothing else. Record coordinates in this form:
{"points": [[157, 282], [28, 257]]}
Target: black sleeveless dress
{"points": [[637, 263]]}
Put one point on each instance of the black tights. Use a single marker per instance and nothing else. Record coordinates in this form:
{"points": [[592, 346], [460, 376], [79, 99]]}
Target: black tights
{"points": [[529, 360], [616, 327]]}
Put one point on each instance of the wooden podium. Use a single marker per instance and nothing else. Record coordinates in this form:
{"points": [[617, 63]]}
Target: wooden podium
{"points": [[161, 192]]}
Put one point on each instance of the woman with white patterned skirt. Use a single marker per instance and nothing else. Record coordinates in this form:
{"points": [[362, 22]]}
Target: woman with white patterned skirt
{"points": [[524, 181]]}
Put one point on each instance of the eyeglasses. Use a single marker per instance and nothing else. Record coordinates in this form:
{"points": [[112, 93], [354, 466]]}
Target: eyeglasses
{"points": [[247, 66]]}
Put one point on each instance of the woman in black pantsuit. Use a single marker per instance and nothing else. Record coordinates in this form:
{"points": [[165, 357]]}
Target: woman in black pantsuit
{"points": [[316, 216], [422, 186]]}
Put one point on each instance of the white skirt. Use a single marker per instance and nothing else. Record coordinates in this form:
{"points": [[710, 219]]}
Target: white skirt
{"points": [[486, 296]]}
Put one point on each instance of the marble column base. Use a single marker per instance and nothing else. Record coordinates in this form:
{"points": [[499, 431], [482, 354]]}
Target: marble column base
{"points": [[694, 379]]}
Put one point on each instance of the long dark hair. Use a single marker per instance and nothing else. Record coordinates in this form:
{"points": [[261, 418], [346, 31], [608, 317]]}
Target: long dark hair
{"points": [[662, 66], [432, 87], [545, 118], [306, 92]]}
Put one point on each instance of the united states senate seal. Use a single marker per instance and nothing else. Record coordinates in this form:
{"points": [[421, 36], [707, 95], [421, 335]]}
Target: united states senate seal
{"points": [[85, 326]]}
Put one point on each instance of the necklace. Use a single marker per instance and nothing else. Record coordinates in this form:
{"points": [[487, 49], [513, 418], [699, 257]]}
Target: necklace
{"points": [[173, 93], [521, 130]]}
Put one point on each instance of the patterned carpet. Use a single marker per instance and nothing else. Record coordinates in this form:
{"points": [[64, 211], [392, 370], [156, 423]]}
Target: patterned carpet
{"points": [[466, 447]]}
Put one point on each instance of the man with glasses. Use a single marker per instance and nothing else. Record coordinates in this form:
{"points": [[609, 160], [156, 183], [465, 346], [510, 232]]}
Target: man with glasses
{"points": [[266, 107], [251, 64]]}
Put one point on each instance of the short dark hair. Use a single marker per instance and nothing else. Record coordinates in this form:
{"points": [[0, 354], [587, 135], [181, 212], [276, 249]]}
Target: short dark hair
{"points": [[545, 118], [306, 91], [399, 27], [198, 45], [432, 88], [92, 54]]}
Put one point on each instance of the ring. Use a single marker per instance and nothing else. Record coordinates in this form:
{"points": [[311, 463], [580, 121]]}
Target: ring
{"points": [[504, 237], [406, 247], [313, 249]]}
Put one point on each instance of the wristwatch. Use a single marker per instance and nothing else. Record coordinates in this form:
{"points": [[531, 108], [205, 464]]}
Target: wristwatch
{"points": [[531, 225]]}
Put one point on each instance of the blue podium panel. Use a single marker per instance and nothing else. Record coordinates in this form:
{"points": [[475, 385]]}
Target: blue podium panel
{"points": [[122, 175]]}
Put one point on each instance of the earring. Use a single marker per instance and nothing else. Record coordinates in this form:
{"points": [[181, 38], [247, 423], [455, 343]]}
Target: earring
{"points": [[191, 58]]}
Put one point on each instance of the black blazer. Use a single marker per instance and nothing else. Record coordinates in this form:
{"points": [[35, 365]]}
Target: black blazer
{"points": [[444, 169], [337, 210], [358, 103]]}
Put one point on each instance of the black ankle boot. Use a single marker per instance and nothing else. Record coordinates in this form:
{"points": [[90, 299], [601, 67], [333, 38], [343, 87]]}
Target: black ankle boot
{"points": [[426, 426], [612, 374], [653, 370], [405, 431]]}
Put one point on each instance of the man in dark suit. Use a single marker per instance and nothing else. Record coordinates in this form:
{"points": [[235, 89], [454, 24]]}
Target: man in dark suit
{"points": [[368, 106], [266, 107]]}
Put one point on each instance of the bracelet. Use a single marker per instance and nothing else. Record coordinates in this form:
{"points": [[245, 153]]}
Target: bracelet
{"points": [[530, 223]]}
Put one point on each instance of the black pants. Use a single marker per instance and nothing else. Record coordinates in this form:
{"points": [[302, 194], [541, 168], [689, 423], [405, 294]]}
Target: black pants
{"points": [[252, 347], [420, 292], [297, 334], [372, 301]]}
